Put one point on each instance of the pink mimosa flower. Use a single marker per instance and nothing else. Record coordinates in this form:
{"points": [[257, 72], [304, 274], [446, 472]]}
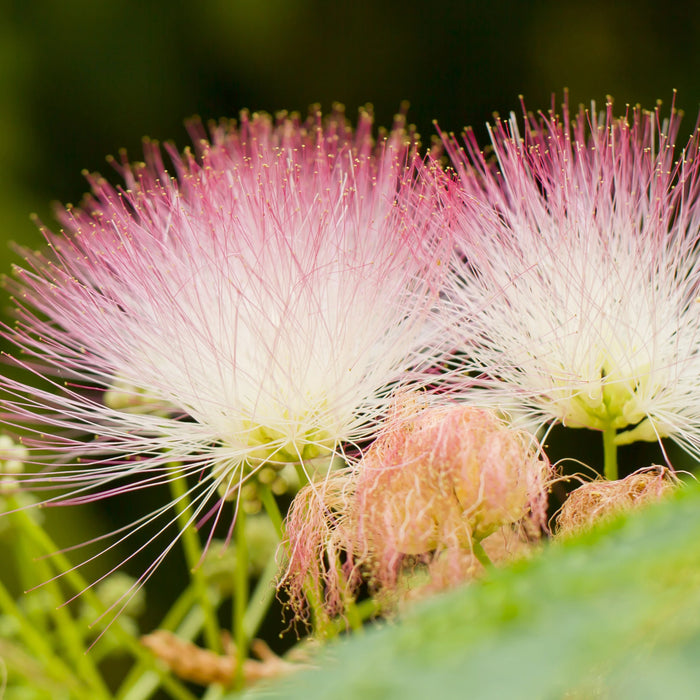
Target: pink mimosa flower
{"points": [[256, 308], [575, 299]]}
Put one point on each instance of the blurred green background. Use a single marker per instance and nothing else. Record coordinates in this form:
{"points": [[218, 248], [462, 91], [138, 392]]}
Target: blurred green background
{"points": [[80, 79]]}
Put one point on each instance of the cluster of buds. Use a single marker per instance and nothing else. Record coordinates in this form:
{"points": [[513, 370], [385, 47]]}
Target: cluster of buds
{"points": [[281, 479], [434, 485], [12, 458], [123, 395], [219, 566]]}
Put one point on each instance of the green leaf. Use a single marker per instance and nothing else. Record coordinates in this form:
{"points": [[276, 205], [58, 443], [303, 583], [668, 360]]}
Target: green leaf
{"points": [[611, 613]]}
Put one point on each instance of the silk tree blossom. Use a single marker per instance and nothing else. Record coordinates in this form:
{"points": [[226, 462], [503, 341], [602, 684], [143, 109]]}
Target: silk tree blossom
{"points": [[575, 298], [259, 306]]}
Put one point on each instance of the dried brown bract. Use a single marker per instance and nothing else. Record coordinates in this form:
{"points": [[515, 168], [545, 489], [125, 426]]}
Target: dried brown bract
{"points": [[192, 663]]}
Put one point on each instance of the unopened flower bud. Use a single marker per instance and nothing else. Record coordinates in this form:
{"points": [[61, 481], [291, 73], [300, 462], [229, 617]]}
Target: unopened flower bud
{"points": [[432, 486], [12, 456], [8, 486], [601, 499], [120, 586], [448, 476]]}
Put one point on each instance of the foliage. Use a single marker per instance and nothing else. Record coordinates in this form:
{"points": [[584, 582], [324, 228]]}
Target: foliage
{"points": [[610, 613]]}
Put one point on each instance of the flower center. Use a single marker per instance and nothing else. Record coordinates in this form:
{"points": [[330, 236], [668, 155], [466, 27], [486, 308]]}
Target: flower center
{"points": [[612, 402], [275, 446]]}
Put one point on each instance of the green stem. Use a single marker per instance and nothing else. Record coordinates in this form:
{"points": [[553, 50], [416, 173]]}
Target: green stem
{"points": [[303, 479], [37, 645], [193, 555], [184, 603], [69, 636], [264, 591], [64, 623], [352, 615], [319, 619], [214, 692], [240, 596], [362, 611], [26, 574], [191, 625], [138, 686], [272, 509], [321, 623], [78, 583], [262, 596], [141, 683], [610, 454], [480, 553]]}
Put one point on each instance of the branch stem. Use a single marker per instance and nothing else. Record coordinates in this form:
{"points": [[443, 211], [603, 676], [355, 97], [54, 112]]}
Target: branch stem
{"points": [[480, 553], [240, 594], [63, 566], [192, 549]]}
